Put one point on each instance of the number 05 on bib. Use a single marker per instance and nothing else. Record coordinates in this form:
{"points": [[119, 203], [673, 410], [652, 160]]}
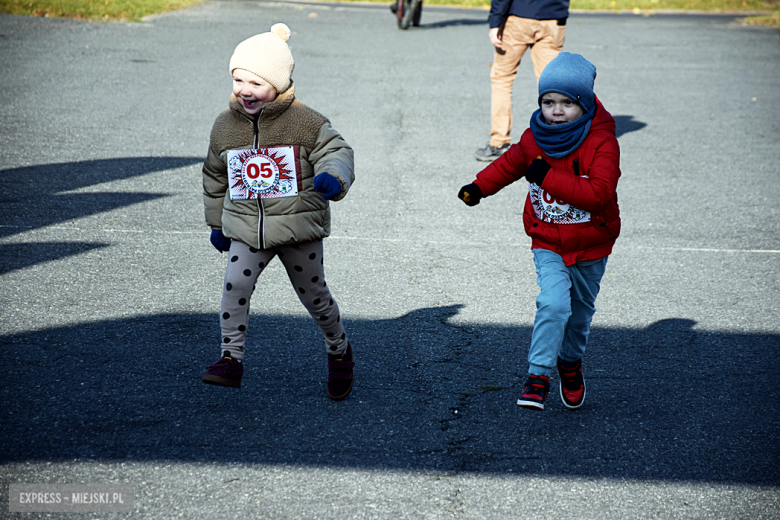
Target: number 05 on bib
{"points": [[263, 173]]}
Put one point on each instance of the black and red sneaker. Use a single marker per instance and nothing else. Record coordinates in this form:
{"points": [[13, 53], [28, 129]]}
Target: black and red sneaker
{"points": [[535, 392], [572, 383], [340, 374], [227, 371]]}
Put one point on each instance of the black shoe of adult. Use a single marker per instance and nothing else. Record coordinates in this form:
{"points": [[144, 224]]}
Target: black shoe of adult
{"points": [[490, 153]]}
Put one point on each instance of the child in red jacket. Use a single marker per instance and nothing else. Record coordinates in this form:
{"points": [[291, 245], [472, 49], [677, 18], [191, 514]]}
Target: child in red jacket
{"points": [[571, 159]]}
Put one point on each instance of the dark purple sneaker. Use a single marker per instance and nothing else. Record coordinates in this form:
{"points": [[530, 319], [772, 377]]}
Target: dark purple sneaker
{"points": [[340, 374], [225, 372]]}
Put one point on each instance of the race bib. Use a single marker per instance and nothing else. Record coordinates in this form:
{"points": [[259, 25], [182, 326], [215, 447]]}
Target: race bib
{"points": [[263, 173], [550, 209]]}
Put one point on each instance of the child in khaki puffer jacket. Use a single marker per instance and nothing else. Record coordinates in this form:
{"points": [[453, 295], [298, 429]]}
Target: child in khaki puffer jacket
{"points": [[272, 166]]}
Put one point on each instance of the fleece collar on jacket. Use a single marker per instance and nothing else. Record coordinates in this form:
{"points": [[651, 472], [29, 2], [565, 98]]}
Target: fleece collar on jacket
{"points": [[270, 110]]}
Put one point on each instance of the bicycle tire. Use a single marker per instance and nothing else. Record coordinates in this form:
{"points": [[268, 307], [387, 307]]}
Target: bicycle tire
{"points": [[417, 12], [405, 13]]}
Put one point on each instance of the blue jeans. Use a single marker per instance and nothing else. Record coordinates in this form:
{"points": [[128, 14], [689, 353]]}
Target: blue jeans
{"points": [[564, 309]]}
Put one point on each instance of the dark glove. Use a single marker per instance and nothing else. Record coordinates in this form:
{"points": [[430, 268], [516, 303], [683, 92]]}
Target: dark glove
{"points": [[537, 171], [327, 185], [470, 194], [220, 241]]}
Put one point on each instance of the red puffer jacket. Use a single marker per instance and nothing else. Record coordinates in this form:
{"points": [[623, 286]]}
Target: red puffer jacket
{"points": [[575, 213]]}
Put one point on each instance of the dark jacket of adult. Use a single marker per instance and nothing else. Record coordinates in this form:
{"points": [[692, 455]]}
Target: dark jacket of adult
{"points": [[500, 10]]}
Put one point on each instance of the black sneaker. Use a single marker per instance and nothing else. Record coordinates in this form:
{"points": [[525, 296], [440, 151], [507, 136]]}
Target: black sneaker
{"points": [[491, 153], [572, 383], [394, 8], [535, 392]]}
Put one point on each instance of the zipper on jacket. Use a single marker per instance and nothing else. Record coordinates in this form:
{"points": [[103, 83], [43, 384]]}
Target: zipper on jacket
{"points": [[576, 166], [260, 224], [256, 128], [260, 212]]}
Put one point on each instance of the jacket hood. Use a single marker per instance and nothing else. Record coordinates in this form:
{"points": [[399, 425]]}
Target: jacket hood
{"points": [[603, 120]]}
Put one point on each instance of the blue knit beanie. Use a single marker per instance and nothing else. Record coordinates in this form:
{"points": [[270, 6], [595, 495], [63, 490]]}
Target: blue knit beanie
{"points": [[571, 75]]}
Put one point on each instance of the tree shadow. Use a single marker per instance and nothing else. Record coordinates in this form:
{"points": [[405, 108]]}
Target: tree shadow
{"points": [[453, 23], [20, 256], [664, 402], [35, 197], [626, 124]]}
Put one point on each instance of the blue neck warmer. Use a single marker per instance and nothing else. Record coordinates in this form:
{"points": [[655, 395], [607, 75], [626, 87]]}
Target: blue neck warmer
{"points": [[559, 140]]}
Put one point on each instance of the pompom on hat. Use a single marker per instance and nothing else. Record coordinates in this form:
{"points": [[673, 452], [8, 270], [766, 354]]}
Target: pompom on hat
{"points": [[571, 75], [266, 55]]}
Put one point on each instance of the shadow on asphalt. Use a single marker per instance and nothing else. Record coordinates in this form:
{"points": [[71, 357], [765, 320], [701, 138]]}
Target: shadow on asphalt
{"points": [[34, 197], [20, 256], [429, 395], [454, 22], [626, 124]]}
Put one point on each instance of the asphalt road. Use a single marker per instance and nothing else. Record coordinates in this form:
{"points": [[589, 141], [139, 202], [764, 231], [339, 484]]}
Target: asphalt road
{"points": [[110, 290]]}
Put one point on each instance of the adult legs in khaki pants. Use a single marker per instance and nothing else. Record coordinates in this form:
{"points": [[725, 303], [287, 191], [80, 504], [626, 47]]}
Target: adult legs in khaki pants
{"points": [[545, 38]]}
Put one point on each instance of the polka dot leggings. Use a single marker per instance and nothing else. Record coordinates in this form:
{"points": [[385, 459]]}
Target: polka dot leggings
{"points": [[304, 265]]}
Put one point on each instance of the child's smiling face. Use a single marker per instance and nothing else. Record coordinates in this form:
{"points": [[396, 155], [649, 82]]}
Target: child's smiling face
{"points": [[252, 90], [558, 109]]}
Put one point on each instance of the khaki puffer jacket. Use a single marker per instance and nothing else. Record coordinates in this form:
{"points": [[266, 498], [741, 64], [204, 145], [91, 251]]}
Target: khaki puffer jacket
{"points": [[266, 223]]}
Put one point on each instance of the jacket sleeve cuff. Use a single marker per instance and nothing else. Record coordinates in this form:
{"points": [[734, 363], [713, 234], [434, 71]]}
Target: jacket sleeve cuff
{"points": [[344, 187], [495, 20]]}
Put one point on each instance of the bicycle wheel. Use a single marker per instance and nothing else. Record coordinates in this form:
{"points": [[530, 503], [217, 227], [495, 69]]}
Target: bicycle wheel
{"points": [[417, 12], [405, 13]]}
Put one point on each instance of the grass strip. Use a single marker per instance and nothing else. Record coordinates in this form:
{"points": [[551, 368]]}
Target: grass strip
{"points": [[94, 10], [136, 10], [769, 20]]}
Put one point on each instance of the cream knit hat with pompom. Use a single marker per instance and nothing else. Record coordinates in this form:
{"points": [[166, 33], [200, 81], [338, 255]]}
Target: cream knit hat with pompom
{"points": [[266, 55]]}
